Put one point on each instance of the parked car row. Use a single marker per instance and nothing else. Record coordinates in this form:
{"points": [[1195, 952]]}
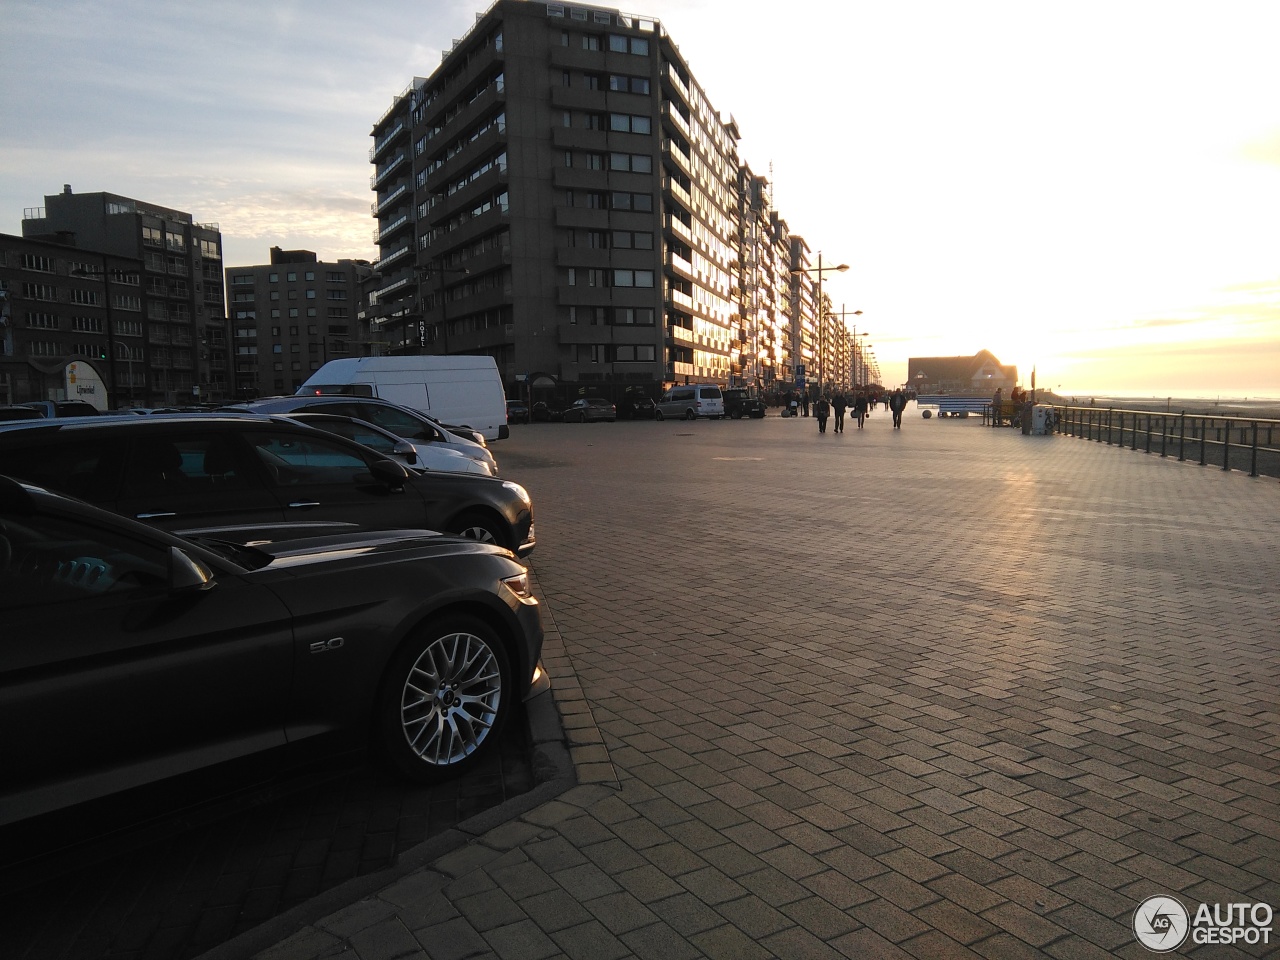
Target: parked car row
{"points": [[243, 591], [179, 656]]}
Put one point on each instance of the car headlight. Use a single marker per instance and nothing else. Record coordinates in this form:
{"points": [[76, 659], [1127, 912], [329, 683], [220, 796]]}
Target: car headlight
{"points": [[519, 585], [519, 491]]}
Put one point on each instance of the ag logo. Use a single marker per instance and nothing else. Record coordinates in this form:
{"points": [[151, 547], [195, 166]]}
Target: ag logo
{"points": [[1161, 924]]}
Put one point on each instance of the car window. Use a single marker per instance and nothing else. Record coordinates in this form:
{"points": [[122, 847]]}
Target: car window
{"points": [[711, 393], [358, 432], [293, 459], [161, 465], [83, 469], [403, 425], [53, 560], [337, 409]]}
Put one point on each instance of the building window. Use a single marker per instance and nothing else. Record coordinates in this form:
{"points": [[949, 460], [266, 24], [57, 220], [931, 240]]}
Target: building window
{"points": [[633, 353], [630, 123], [633, 316], [31, 261], [633, 278], [639, 46], [624, 84], [590, 42], [39, 291]]}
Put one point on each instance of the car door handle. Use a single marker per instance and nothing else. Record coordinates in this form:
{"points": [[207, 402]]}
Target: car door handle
{"points": [[152, 516], [305, 503]]}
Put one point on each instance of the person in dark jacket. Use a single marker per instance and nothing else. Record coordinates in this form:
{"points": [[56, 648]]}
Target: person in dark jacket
{"points": [[860, 408], [897, 403], [838, 405], [822, 410]]}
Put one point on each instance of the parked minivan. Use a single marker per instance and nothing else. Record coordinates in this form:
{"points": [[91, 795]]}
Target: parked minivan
{"points": [[689, 401]]}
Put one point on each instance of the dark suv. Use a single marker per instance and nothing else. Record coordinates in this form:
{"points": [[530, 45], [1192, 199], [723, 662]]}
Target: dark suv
{"points": [[188, 472], [739, 403]]}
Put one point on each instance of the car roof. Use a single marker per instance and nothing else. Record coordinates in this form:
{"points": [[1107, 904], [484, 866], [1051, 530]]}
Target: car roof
{"points": [[133, 422]]}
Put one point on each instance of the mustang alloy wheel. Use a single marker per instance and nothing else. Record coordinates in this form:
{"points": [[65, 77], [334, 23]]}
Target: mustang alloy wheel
{"points": [[446, 697]]}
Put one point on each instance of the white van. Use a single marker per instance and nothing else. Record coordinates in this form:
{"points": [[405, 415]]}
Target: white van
{"points": [[689, 401], [458, 390]]}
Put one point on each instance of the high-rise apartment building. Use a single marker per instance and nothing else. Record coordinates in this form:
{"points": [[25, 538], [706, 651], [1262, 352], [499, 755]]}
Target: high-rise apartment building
{"points": [[148, 279], [291, 316], [560, 194]]}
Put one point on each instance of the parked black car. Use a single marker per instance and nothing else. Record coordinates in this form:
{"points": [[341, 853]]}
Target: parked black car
{"points": [[10, 412], [185, 472], [130, 656], [517, 411], [543, 411], [634, 407], [739, 403]]}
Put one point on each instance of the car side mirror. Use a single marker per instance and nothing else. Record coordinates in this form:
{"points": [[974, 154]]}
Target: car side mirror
{"points": [[187, 573], [405, 449], [390, 472]]}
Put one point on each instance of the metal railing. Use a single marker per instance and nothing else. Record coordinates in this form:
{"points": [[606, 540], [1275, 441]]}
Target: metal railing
{"points": [[1248, 444]]}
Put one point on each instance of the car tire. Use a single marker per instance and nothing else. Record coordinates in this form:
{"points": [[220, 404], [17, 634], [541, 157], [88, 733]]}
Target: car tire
{"points": [[657, 415], [444, 699], [690, 415], [481, 528]]}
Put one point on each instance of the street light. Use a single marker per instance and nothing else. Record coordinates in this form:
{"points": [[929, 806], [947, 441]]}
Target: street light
{"points": [[820, 270]]}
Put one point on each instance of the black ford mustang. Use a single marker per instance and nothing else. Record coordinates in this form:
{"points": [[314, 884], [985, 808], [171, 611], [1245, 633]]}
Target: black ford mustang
{"points": [[129, 656]]}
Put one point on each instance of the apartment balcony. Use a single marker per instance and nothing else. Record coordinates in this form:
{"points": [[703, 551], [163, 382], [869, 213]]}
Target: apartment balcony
{"points": [[397, 227], [677, 192], [680, 335], [398, 131], [680, 266], [583, 217], [387, 202], [579, 179], [676, 119], [678, 369], [672, 79], [578, 98], [678, 157], [678, 228], [392, 166], [392, 258], [582, 257], [681, 299], [576, 138]]}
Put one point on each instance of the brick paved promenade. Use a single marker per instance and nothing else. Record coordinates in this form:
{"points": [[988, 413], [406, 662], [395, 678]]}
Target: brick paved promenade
{"points": [[940, 692]]}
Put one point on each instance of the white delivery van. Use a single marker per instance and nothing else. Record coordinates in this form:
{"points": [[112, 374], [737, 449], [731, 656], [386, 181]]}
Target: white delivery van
{"points": [[460, 391]]}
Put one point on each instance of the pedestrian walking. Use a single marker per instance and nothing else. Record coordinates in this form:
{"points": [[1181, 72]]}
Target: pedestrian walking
{"points": [[860, 408], [838, 407], [822, 410], [897, 403], [804, 402]]}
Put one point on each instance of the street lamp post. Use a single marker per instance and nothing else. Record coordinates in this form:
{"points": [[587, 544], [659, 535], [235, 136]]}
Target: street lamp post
{"points": [[820, 270]]}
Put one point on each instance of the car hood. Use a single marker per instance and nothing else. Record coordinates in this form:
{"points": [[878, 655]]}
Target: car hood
{"points": [[294, 551]]}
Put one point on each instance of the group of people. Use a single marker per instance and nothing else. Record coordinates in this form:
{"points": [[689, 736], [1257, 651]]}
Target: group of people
{"points": [[824, 407]]}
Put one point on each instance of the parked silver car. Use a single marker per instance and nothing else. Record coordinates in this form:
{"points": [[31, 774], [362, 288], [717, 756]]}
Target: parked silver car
{"points": [[412, 425]]}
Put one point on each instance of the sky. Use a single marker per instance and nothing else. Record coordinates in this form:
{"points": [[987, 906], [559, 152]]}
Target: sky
{"points": [[1087, 188]]}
